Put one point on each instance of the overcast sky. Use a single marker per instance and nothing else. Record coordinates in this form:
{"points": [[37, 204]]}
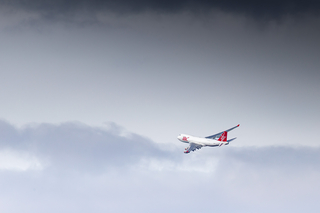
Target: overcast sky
{"points": [[94, 93]]}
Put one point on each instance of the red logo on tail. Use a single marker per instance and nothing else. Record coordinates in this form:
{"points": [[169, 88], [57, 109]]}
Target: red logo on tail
{"points": [[223, 137]]}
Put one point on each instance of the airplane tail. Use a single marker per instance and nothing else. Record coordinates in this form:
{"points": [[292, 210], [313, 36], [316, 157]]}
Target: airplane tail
{"points": [[223, 137]]}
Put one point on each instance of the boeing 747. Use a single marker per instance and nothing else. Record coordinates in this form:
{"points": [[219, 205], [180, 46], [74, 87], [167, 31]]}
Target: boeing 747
{"points": [[219, 139]]}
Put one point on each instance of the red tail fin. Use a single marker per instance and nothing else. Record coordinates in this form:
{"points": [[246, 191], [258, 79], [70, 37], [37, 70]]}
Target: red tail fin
{"points": [[223, 137]]}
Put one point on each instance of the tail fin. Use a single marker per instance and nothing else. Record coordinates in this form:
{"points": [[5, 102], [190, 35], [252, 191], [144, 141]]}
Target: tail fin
{"points": [[223, 137]]}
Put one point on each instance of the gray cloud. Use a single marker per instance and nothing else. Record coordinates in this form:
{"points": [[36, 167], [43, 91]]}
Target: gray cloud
{"points": [[77, 146], [95, 169], [262, 9]]}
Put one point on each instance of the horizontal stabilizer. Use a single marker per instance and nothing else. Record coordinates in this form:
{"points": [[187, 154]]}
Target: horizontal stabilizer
{"points": [[231, 140]]}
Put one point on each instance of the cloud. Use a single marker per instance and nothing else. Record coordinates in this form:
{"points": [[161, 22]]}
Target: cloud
{"points": [[74, 145], [18, 161], [77, 146], [92, 168], [261, 9]]}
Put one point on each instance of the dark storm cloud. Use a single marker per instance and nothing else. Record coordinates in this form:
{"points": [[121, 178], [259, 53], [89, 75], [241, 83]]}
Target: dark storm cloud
{"points": [[258, 9]]}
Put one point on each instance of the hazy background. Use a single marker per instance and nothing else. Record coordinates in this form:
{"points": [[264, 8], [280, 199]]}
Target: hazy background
{"points": [[94, 93]]}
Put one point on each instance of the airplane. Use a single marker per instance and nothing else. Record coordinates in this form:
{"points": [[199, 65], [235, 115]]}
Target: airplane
{"points": [[219, 139]]}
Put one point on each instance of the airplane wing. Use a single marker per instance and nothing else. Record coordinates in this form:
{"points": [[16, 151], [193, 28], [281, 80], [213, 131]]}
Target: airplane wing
{"points": [[193, 147], [216, 136]]}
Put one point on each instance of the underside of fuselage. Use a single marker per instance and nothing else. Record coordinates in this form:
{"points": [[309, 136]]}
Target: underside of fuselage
{"points": [[212, 145]]}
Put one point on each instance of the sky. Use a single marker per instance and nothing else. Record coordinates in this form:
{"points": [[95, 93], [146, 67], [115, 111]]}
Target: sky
{"points": [[94, 93]]}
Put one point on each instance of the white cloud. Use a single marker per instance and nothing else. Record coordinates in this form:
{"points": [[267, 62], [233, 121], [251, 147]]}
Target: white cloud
{"points": [[18, 161], [95, 169], [192, 163]]}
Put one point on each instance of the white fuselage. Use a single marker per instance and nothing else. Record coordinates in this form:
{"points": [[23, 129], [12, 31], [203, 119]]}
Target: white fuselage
{"points": [[197, 140]]}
